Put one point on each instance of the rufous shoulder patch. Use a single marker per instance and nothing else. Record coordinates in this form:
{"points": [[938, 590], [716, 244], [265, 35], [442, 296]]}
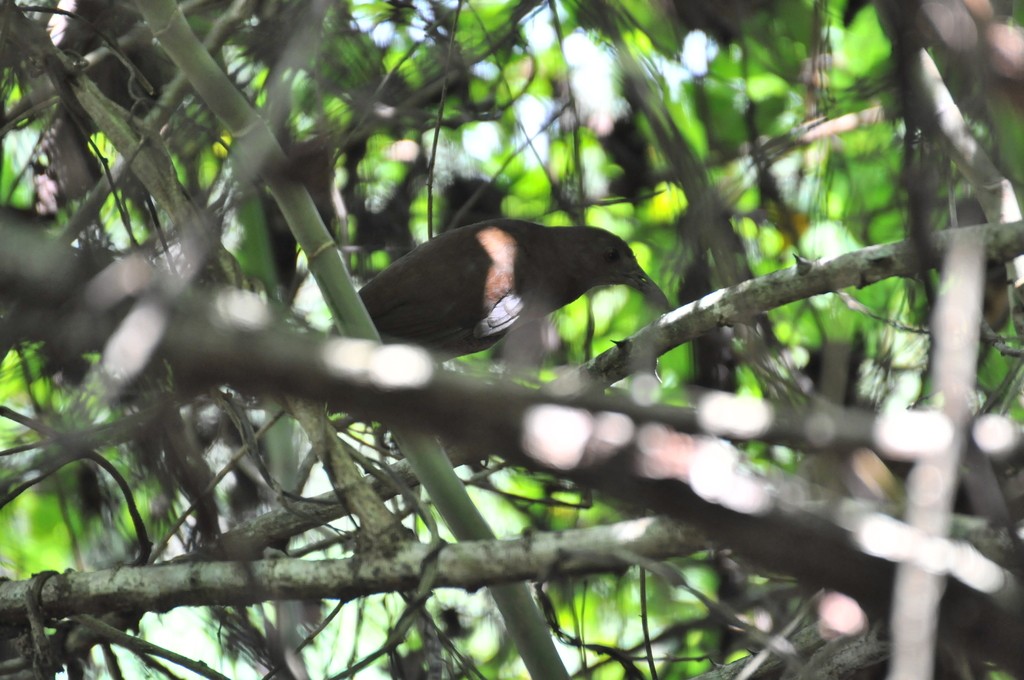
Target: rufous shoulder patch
{"points": [[501, 247]]}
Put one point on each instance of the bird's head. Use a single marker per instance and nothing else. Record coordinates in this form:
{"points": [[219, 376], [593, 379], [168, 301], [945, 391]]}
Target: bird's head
{"points": [[603, 259]]}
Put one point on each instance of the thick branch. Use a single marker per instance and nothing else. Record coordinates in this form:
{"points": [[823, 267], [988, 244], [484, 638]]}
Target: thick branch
{"points": [[740, 303], [613, 446], [468, 565]]}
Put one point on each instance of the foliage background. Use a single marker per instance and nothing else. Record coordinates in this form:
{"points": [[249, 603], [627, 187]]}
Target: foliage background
{"points": [[724, 140]]}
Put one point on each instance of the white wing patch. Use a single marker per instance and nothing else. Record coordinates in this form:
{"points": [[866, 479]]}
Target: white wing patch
{"points": [[501, 317]]}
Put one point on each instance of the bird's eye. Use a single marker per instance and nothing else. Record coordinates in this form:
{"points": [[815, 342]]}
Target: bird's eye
{"points": [[612, 255]]}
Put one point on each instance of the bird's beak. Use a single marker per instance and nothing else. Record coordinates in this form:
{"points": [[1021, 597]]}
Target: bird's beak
{"points": [[654, 296]]}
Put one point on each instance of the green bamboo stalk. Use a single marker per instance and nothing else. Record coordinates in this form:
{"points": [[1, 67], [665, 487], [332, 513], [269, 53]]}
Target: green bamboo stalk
{"points": [[522, 616]]}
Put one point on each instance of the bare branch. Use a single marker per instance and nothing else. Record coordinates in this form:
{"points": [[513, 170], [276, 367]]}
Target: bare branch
{"points": [[468, 565]]}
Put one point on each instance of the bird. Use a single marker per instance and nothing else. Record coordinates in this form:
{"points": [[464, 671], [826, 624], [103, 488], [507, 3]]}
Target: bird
{"points": [[464, 290]]}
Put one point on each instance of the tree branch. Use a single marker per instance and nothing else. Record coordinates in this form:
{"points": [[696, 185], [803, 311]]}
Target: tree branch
{"points": [[740, 303], [613, 445], [468, 565]]}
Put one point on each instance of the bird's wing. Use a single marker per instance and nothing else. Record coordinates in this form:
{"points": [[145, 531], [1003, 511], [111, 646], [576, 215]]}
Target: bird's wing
{"points": [[422, 321], [455, 293], [436, 304], [501, 317]]}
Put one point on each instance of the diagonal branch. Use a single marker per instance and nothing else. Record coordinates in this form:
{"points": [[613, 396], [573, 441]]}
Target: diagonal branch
{"points": [[740, 303]]}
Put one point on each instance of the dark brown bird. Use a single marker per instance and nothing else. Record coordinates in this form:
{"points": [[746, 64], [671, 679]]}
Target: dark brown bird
{"points": [[464, 290]]}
